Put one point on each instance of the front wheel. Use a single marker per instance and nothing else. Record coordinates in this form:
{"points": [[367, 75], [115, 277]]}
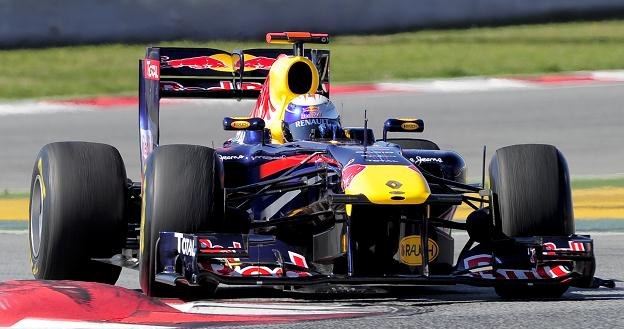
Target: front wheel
{"points": [[182, 192], [77, 212], [531, 197]]}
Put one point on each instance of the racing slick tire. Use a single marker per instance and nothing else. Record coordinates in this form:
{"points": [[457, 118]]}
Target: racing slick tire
{"points": [[77, 206], [531, 191], [182, 192], [531, 197]]}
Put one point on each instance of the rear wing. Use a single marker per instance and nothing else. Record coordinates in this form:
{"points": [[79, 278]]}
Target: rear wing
{"points": [[168, 72]]}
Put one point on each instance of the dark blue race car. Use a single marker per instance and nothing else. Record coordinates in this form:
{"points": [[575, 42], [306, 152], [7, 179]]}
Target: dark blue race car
{"points": [[295, 199]]}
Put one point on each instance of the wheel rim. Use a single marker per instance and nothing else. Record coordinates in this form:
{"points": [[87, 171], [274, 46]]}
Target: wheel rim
{"points": [[36, 216]]}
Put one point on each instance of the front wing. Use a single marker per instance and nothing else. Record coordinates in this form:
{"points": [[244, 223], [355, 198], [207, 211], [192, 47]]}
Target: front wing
{"points": [[263, 260]]}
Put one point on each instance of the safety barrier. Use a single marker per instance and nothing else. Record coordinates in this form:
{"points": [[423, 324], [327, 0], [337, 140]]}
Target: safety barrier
{"points": [[28, 23]]}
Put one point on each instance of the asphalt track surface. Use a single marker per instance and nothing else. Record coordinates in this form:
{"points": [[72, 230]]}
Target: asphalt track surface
{"points": [[584, 121], [428, 307]]}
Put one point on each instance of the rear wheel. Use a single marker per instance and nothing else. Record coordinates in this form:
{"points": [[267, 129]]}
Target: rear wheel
{"points": [[77, 212], [531, 195], [182, 192]]}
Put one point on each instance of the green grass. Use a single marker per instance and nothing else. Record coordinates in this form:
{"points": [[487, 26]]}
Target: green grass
{"points": [[585, 183], [6, 194], [527, 49]]}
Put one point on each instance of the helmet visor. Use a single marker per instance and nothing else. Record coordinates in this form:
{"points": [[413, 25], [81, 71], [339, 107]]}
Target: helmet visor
{"points": [[308, 129]]}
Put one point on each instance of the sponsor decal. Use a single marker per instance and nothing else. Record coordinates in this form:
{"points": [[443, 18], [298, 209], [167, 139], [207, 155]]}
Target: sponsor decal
{"points": [[223, 85], [349, 172], [215, 62], [550, 247], [308, 122], [256, 63], [419, 160], [311, 112], [151, 69], [410, 251], [267, 157], [283, 163], [264, 108], [231, 157], [379, 155], [240, 124], [220, 62], [186, 246], [409, 126], [393, 184]]}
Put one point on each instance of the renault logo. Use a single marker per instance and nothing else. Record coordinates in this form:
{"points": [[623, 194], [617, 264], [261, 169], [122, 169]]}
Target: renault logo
{"points": [[393, 184]]}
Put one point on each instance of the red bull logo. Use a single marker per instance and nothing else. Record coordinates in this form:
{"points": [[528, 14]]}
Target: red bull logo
{"points": [[221, 62], [214, 62], [311, 112], [349, 172], [256, 63]]}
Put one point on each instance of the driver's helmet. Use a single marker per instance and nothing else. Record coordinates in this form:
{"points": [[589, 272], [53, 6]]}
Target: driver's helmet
{"points": [[310, 117]]}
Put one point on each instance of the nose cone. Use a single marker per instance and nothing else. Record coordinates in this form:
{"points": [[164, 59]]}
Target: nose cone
{"points": [[386, 184]]}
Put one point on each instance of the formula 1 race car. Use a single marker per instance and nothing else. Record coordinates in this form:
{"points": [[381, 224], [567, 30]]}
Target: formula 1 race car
{"points": [[295, 199]]}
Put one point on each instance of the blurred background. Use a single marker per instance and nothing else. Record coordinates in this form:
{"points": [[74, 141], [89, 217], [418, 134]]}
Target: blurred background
{"points": [[62, 22]]}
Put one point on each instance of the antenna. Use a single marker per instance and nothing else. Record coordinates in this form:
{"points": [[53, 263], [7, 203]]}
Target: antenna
{"points": [[298, 48], [365, 131], [483, 174], [483, 168]]}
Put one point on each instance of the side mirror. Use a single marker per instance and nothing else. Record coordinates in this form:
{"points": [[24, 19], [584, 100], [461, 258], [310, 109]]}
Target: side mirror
{"points": [[243, 123], [403, 125]]}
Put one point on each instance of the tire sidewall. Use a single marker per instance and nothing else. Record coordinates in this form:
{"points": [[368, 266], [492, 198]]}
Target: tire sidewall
{"points": [[38, 261]]}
